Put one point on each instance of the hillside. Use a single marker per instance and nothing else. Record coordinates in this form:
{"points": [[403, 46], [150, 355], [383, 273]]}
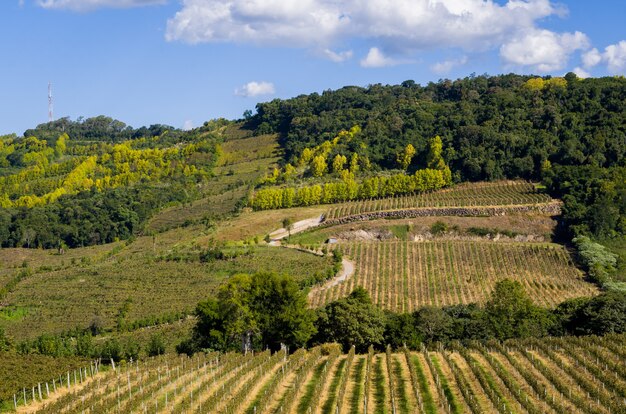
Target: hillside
{"points": [[440, 203]]}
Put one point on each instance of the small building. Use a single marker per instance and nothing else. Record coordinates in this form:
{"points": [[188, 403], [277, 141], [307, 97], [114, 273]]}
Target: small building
{"points": [[331, 240]]}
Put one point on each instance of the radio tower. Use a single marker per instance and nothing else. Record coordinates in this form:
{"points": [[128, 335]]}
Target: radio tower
{"points": [[50, 117]]}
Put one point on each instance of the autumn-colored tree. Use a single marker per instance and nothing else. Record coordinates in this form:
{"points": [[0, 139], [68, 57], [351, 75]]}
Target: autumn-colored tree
{"points": [[319, 166], [338, 162], [404, 158]]}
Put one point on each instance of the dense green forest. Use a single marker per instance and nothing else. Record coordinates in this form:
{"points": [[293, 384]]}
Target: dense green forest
{"points": [[492, 127]]}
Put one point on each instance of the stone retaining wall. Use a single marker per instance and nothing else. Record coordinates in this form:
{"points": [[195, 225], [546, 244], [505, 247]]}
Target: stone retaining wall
{"points": [[552, 209]]}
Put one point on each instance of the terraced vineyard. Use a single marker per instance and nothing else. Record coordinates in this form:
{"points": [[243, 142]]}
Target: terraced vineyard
{"points": [[500, 193], [403, 276], [563, 375]]}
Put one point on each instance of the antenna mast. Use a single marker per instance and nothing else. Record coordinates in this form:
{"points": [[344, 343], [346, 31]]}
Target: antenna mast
{"points": [[50, 107]]}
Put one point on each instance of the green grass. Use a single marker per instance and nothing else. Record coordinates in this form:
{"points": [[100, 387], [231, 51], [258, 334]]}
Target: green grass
{"points": [[379, 386], [332, 394], [400, 231], [427, 398], [357, 392], [305, 401], [402, 398], [454, 406], [13, 313]]}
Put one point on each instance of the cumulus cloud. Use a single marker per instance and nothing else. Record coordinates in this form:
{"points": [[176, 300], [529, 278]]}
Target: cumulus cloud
{"points": [[591, 58], [337, 56], [581, 73], [447, 65], [405, 24], [614, 56], [543, 50], [251, 89], [86, 5], [376, 59]]}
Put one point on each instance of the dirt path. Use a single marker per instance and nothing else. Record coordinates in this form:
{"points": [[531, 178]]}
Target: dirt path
{"points": [[297, 227], [347, 270]]}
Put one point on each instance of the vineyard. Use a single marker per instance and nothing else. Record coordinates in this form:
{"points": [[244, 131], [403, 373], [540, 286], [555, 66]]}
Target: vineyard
{"points": [[403, 276], [500, 193], [136, 284], [564, 375]]}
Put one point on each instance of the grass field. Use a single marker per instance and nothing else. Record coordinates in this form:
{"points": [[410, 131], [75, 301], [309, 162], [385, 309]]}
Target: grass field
{"points": [[499, 193], [564, 375], [404, 276]]}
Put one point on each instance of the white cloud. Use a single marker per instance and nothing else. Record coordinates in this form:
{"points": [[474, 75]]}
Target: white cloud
{"points": [[337, 56], [401, 24], [543, 50], [188, 125], [376, 59], [87, 5], [447, 65], [591, 58], [615, 56], [581, 73], [251, 89]]}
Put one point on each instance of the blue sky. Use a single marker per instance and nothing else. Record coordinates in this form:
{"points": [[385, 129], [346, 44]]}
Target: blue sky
{"points": [[182, 62]]}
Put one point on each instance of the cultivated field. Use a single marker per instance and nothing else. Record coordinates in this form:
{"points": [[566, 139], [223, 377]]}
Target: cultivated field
{"points": [[499, 193], [403, 276], [565, 375], [145, 286]]}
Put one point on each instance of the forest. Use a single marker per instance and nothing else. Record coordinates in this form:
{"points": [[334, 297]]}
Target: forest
{"points": [[492, 127], [80, 183]]}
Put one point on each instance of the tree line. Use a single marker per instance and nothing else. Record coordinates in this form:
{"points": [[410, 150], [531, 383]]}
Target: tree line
{"points": [[268, 311]]}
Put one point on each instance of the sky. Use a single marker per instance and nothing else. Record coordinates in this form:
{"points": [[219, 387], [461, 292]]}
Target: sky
{"points": [[183, 62]]}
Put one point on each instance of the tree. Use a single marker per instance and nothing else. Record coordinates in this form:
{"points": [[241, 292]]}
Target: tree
{"points": [[319, 166], [434, 158], [433, 324], [338, 162], [353, 321], [510, 313], [404, 158], [288, 224], [600, 315], [260, 311], [156, 346]]}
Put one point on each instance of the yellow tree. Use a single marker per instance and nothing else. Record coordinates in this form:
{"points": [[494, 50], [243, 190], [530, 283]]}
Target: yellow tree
{"points": [[406, 156], [319, 166], [338, 162], [434, 159]]}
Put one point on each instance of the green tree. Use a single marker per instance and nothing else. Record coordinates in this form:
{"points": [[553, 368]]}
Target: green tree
{"points": [[351, 321], [260, 311], [510, 313], [156, 346], [288, 224]]}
